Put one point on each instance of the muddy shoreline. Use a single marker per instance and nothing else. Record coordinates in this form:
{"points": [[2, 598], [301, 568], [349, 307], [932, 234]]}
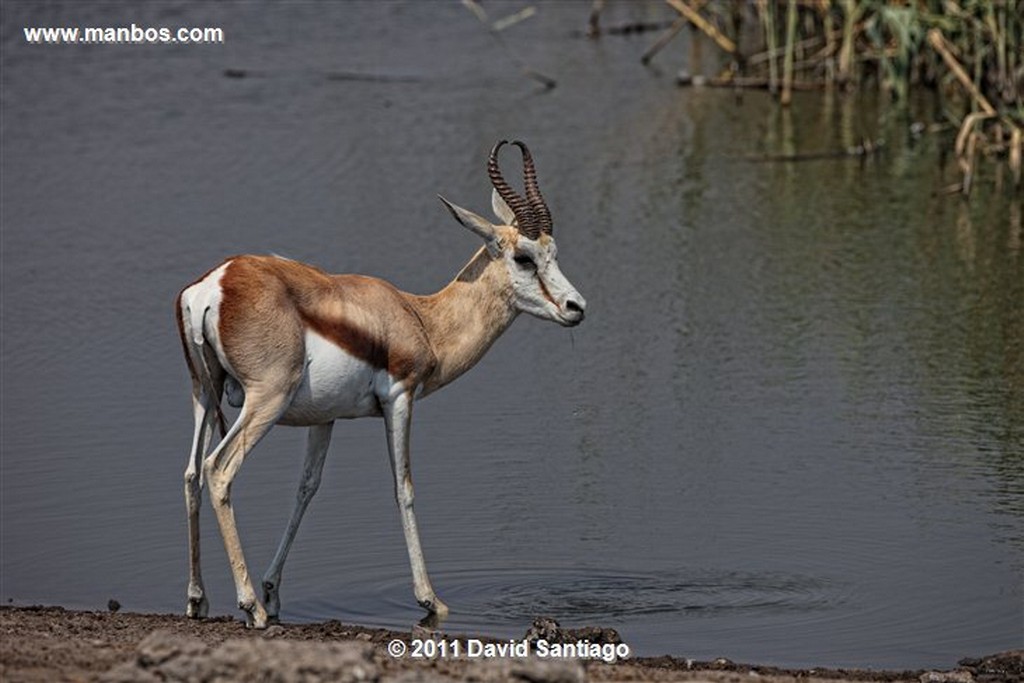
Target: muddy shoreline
{"points": [[52, 643]]}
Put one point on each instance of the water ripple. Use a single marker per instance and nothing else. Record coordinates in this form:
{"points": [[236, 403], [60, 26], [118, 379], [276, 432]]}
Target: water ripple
{"points": [[489, 599]]}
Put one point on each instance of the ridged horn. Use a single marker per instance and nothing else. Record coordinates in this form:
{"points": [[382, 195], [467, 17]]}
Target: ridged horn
{"points": [[533, 195], [525, 219]]}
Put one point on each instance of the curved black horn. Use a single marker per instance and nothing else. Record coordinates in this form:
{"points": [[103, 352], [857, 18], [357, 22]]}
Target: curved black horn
{"points": [[521, 208], [533, 195]]}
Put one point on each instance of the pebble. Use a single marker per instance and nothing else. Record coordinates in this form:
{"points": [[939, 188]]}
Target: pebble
{"points": [[959, 676]]}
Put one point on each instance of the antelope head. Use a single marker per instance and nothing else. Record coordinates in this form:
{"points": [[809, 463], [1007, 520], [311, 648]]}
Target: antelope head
{"points": [[522, 242]]}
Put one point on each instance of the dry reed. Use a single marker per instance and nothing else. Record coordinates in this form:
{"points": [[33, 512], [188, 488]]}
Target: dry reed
{"points": [[970, 51]]}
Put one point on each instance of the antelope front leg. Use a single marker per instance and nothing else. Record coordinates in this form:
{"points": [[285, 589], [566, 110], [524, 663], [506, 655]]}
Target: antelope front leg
{"points": [[397, 420], [317, 443]]}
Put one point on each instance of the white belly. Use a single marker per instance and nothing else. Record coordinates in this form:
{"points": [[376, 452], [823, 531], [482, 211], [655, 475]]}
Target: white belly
{"points": [[335, 385]]}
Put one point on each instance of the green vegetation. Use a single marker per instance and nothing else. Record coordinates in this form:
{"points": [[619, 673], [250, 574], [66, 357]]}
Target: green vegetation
{"points": [[971, 52]]}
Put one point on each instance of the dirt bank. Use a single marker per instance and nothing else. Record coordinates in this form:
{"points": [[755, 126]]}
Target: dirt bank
{"points": [[51, 643]]}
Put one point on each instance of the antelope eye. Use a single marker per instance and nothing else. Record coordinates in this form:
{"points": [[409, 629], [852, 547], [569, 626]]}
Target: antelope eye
{"points": [[524, 261]]}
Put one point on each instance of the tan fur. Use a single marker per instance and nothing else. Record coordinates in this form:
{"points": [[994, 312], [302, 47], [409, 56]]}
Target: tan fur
{"points": [[268, 302], [464, 319]]}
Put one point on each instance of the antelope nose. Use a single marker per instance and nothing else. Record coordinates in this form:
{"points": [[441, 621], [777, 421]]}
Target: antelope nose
{"points": [[576, 306]]}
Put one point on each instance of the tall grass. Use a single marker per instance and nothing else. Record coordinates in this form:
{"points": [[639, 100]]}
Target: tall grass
{"points": [[970, 51]]}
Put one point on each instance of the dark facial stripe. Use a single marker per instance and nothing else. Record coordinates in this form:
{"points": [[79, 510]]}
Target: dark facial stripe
{"points": [[547, 294]]}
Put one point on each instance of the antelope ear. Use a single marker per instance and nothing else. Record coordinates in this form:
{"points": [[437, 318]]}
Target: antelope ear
{"points": [[501, 209], [478, 224]]}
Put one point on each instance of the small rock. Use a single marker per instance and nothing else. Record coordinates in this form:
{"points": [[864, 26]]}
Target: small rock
{"points": [[958, 676], [157, 652], [543, 628], [595, 634], [162, 646], [129, 672], [547, 671], [275, 631], [531, 670], [1004, 667], [244, 659], [167, 656]]}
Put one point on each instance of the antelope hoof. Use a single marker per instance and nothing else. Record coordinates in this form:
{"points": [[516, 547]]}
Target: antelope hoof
{"points": [[255, 615], [271, 601], [435, 607], [197, 606], [197, 609]]}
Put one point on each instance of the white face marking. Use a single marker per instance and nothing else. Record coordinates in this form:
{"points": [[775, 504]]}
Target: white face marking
{"points": [[537, 282], [539, 285]]}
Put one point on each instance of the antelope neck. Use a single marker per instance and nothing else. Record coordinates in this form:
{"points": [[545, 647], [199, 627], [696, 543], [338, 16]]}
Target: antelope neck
{"points": [[464, 319]]}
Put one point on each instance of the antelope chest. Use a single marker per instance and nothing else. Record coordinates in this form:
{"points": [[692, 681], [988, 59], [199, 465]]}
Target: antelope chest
{"points": [[335, 385]]}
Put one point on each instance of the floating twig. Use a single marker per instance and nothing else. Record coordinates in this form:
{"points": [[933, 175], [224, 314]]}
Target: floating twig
{"points": [[704, 25], [664, 39], [866, 148], [370, 77], [670, 33], [755, 59], [528, 71], [513, 19], [633, 27], [743, 82]]}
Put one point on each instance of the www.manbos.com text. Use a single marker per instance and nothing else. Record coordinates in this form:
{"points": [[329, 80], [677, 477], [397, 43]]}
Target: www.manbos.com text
{"points": [[122, 35]]}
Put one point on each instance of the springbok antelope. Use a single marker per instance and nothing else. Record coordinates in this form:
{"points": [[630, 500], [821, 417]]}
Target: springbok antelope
{"points": [[289, 344]]}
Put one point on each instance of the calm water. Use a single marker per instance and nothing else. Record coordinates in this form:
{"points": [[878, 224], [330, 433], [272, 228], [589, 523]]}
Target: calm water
{"points": [[791, 430]]}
